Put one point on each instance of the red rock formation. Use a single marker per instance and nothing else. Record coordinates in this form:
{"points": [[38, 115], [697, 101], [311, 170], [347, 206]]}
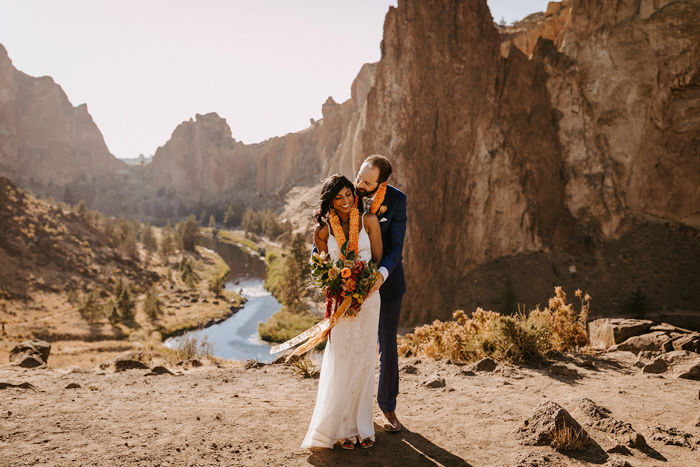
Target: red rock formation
{"points": [[505, 155], [44, 139]]}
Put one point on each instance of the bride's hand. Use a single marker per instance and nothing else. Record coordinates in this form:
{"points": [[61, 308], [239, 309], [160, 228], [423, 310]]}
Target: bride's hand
{"points": [[376, 286]]}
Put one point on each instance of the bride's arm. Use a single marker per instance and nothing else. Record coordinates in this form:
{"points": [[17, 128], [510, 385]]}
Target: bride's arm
{"points": [[321, 238], [375, 236]]}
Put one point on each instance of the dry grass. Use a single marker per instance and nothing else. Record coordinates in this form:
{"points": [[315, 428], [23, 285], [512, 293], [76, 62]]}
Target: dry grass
{"points": [[193, 345], [303, 367], [514, 338], [570, 439]]}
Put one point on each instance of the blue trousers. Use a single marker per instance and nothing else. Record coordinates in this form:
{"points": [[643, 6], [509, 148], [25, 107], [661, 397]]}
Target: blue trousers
{"points": [[388, 387]]}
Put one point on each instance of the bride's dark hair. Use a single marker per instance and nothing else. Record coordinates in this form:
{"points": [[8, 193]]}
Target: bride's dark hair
{"points": [[331, 188]]}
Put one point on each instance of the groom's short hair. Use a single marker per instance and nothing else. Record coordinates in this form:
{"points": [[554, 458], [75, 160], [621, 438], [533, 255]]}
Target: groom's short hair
{"points": [[381, 163]]}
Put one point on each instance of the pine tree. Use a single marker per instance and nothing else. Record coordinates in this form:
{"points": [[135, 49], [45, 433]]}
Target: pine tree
{"points": [[212, 225], [187, 272], [152, 305], [190, 234], [296, 271], [148, 238], [167, 243], [81, 209], [229, 217], [131, 248]]}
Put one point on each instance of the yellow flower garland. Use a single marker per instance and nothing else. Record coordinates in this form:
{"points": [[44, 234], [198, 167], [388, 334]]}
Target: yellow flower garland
{"points": [[338, 233], [378, 199]]}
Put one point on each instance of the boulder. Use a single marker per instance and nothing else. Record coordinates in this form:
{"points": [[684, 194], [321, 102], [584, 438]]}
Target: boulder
{"points": [[656, 366], [249, 364], [434, 382], [542, 423], [30, 354], [123, 365], [73, 386], [137, 360], [683, 364], [621, 432], [653, 341], [485, 364], [645, 357], [671, 436], [604, 333], [689, 342], [160, 370], [560, 369], [409, 369], [593, 410]]}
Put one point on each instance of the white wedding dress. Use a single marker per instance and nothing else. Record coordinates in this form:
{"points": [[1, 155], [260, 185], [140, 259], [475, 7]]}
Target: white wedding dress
{"points": [[346, 387]]}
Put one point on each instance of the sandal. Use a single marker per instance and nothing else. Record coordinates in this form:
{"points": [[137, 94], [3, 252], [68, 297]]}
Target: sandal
{"points": [[367, 443], [347, 443]]}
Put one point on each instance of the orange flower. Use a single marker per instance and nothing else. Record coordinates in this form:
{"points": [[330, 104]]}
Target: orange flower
{"points": [[351, 284], [346, 272], [382, 210]]}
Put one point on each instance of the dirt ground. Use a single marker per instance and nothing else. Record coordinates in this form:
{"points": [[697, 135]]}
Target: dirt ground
{"points": [[226, 415]]}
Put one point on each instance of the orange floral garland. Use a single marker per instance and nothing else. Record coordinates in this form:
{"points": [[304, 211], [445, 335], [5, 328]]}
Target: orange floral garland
{"points": [[338, 233], [378, 199]]}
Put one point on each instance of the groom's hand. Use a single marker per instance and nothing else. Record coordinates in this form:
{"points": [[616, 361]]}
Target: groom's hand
{"points": [[376, 285]]}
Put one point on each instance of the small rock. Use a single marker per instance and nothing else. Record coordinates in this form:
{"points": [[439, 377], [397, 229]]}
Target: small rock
{"points": [[619, 449], [160, 370], [30, 354], [539, 427], [555, 355], [194, 363], [593, 410], [617, 463], [583, 361], [73, 386], [485, 364], [690, 342], [409, 369], [604, 333], [533, 459], [123, 365], [435, 381], [417, 361], [560, 369], [24, 385], [671, 436], [249, 364], [466, 372], [408, 353]]}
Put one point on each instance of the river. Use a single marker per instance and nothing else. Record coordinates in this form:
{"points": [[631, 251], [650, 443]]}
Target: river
{"points": [[237, 337]]}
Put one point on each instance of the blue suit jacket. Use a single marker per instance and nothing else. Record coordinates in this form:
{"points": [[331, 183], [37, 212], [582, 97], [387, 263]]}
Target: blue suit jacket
{"points": [[393, 226]]}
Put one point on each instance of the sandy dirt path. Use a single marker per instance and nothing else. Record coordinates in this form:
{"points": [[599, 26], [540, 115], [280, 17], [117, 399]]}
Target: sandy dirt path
{"points": [[258, 417]]}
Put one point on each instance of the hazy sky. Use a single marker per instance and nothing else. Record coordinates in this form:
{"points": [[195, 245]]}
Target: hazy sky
{"points": [[143, 67]]}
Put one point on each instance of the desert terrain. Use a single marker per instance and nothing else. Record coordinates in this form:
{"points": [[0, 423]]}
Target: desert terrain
{"points": [[225, 414]]}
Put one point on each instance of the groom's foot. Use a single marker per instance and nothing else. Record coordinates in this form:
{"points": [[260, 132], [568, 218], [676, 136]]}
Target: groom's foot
{"points": [[391, 423]]}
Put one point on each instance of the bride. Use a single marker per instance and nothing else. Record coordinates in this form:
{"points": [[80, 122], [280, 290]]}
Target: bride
{"points": [[344, 403]]}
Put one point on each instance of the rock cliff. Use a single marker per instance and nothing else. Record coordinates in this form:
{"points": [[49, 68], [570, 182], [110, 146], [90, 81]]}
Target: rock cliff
{"points": [[202, 160], [545, 159], [44, 140]]}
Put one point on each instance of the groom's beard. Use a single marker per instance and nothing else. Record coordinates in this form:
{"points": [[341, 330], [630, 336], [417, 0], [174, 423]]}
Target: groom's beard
{"points": [[366, 194]]}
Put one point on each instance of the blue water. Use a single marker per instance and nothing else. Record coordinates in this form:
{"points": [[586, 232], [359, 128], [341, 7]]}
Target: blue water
{"points": [[237, 337]]}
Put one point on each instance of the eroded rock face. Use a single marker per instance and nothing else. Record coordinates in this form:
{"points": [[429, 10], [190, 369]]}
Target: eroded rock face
{"points": [[507, 155], [202, 159], [44, 139]]}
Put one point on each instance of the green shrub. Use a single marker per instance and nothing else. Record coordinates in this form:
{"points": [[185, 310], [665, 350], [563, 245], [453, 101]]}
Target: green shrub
{"points": [[285, 324], [187, 272], [152, 305], [89, 307]]}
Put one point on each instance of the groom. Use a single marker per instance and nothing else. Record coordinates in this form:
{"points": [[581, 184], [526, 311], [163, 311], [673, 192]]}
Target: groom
{"points": [[370, 182]]}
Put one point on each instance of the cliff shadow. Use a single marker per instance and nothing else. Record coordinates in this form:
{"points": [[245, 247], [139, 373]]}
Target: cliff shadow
{"points": [[390, 449]]}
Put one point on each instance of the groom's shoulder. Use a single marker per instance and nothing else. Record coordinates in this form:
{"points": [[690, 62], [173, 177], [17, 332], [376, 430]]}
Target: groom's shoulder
{"points": [[395, 193]]}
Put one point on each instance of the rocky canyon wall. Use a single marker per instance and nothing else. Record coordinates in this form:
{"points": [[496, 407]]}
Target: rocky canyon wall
{"points": [[505, 155], [44, 140]]}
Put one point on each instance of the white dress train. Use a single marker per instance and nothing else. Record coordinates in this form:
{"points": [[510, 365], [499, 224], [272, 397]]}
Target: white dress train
{"points": [[346, 387]]}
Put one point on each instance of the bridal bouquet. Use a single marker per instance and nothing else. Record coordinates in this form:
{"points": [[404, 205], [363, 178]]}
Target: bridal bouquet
{"points": [[345, 283], [341, 279]]}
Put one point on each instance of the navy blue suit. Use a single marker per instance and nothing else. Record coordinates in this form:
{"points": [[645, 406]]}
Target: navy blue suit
{"points": [[393, 226]]}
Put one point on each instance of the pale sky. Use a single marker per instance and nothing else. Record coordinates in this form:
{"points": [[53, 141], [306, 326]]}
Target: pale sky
{"points": [[143, 67]]}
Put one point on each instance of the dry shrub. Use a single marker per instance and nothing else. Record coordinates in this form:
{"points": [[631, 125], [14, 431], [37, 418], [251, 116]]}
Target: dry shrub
{"points": [[303, 367], [514, 338], [193, 345], [569, 438]]}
